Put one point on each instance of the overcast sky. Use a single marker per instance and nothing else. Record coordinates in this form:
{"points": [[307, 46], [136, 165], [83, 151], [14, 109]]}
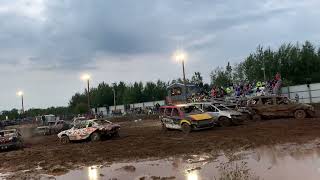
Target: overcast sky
{"points": [[47, 44]]}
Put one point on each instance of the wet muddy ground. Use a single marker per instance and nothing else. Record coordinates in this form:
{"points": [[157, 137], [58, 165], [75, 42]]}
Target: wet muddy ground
{"points": [[285, 162], [145, 140]]}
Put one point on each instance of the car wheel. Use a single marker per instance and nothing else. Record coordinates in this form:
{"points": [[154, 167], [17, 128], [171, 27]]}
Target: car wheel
{"points": [[19, 144], [247, 117], [164, 128], [64, 139], [224, 122], [116, 134], [300, 114], [256, 117], [186, 128], [95, 137]]}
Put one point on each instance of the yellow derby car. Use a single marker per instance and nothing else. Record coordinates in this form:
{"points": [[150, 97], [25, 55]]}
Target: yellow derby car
{"points": [[185, 117]]}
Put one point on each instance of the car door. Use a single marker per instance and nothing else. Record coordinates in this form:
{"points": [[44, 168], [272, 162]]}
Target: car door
{"points": [[283, 106], [176, 118], [79, 131], [167, 119], [267, 106]]}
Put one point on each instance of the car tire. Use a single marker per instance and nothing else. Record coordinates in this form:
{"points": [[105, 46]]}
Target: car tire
{"points": [[116, 134], [164, 128], [64, 139], [224, 122], [246, 117], [300, 114], [19, 145], [95, 137], [186, 128], [256, 117]]}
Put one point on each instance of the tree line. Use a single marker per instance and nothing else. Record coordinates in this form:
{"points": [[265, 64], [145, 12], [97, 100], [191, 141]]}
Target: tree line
{"points": [[103, 94], [33, 112], [297, 64]]}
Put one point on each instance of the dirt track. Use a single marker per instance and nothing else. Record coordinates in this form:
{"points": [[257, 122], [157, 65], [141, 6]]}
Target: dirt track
{"points": [[145, 139]]}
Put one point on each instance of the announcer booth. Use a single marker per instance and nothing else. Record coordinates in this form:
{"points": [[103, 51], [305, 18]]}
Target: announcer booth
{"points": [[177, 92]]}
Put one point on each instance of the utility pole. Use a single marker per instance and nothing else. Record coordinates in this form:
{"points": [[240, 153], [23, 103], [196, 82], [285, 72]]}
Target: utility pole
{"points": [[22, 105], [88, 83], [184, 82], [114, 99], [20, 93], [86, 78]]}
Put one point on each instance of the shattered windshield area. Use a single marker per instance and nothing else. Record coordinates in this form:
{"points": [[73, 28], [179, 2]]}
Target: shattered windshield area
{"points": [[100, 122], [222, 108], [190, 110]]}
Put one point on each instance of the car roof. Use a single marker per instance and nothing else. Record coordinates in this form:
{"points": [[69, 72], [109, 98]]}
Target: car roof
{"points": [[90, 120], [269, 96], [200, 103], [8, 130], [176, 106], [168, 107]]}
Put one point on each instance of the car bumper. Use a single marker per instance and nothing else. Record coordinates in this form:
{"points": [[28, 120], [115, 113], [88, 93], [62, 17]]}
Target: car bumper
{"points": [[112, 131], [238, 120], [8, 145], [311, 113]]}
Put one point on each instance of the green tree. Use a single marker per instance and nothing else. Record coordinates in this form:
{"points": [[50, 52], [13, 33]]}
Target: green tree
{"points": [[81, 108], [197, 79], [219, 78]]}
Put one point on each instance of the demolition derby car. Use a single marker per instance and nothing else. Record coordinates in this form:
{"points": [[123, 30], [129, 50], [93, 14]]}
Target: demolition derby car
{"points": [[10, 139], [93, 129], [53, 127], [278, 106], [223, 115], [185, 117]]}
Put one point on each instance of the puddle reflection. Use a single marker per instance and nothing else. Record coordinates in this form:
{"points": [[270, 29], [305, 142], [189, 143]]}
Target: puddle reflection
{"points": [[193, 175], [268, 163], [93, 173]]}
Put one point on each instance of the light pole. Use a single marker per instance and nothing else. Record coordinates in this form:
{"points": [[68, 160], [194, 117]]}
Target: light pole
{"points": [[20, 93], [181, 56], [114, 98], [264, 73], [86, 77]]}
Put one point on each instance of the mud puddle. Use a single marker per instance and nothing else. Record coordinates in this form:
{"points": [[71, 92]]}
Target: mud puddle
{"points": [[286, 162]]}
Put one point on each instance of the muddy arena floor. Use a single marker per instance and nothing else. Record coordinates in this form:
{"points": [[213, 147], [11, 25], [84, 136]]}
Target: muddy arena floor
{"points": [[145, 139]]}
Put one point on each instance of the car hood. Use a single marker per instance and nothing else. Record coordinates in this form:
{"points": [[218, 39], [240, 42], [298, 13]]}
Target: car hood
{"points": [[307, 105], [304, 106], [231, 112], [42, 127], [6, 138], [107, 126], [199, 117]]}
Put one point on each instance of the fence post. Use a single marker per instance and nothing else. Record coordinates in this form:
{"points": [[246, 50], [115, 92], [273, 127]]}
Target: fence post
{"points": [[309, 90], [289, 95]]}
